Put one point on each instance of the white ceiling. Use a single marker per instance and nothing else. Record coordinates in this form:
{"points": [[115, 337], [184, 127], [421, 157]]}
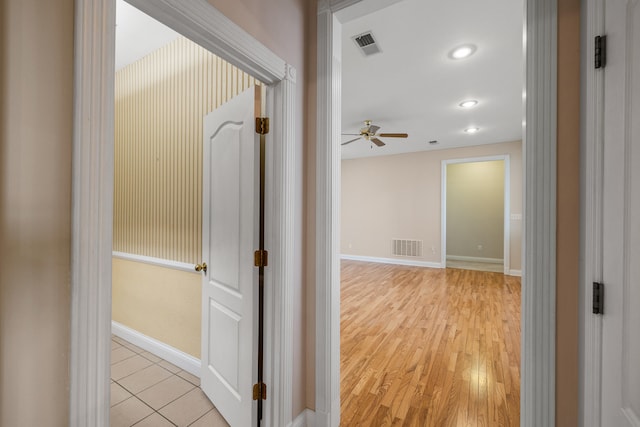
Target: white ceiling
{"points": [[414, 87], [137, 34]]}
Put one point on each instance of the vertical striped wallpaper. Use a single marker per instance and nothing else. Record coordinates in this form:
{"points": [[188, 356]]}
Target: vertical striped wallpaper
{"points": [[160, 101]]}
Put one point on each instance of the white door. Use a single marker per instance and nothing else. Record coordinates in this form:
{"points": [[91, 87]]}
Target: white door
{"points": [[229, 238], [621, 213]]}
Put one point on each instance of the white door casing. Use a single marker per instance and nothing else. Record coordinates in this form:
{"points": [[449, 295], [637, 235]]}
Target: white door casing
{"points": [[621, 217], [93, 189], [229, 237]]}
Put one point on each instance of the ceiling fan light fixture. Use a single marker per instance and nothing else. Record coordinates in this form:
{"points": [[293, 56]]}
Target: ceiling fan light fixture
{"points": [[463, 51], [468, 103], [472, 130]]}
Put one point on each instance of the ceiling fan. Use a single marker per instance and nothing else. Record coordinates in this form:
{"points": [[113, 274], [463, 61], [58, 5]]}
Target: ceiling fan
{"points": [[368, 132]]}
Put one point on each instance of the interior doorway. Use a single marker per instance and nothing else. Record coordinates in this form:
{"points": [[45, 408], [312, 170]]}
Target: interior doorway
{"points": [[539, 240], [93, 180], [476, 214]]}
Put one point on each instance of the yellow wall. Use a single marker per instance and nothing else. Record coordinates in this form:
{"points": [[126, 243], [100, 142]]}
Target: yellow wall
{"points": [[389, 197], [162, 303], [475, 209], [36, 125], [160, 101]]}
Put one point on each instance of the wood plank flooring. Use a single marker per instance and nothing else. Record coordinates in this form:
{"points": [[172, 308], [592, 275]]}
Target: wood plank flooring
{"points": [[429, 347]]}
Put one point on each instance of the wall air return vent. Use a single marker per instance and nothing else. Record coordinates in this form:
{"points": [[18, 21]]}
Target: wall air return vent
{"points": [[405, 247], [367, 43]]}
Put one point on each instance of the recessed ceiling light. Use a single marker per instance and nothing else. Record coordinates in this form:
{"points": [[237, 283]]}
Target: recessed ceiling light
{"points": [[468, 104], [471, 130], [463, 51]]}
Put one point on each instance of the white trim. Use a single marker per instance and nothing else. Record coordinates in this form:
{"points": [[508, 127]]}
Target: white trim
{"points": [[304, 419], [160, 262], [93, 189], [517, 273], [327, 343], [539, 239], [395, 261], [92, 219], [164, 351], [475, 259], [506, 234], [538, 372], [591, 196]]}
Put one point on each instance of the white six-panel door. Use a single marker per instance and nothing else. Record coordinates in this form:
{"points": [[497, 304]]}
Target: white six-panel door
{"points": [[621, 217], [230, 227]]}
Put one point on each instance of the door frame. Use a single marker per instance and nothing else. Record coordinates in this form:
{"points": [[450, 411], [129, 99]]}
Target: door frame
{"points": [[93, 195], [506, 261], [591, 225], [538, 397]]}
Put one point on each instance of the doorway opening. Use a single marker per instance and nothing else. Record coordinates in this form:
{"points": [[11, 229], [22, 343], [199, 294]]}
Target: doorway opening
{"points": [[394, 211], [538, 333], [91, 318], [477, 220]]}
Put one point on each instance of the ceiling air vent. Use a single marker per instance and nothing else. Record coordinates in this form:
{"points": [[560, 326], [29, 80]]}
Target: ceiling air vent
{"points": [[367, 43]]}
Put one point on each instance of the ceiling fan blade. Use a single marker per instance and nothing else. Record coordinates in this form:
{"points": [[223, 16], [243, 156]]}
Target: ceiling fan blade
{"points": [[377, 142], [394, 135], [350, 134], [349, 142], [373, 129]]}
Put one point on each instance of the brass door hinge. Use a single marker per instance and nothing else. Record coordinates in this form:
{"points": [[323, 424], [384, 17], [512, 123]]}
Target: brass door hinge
{"points": [[262, 125], [260, 391], [260, 258]]}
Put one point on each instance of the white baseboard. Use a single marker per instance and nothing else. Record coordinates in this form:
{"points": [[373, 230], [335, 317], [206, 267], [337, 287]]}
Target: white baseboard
{"points": [[515, 273], [306, 418], [171, 354], [475, 259], [396, 261]]}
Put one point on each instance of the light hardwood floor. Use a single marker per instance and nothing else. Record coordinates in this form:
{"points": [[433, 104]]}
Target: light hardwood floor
{"points": [[429, 347]]}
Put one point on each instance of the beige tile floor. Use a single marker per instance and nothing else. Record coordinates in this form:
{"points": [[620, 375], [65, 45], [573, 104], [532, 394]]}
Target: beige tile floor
{"points": [[147, 391]]}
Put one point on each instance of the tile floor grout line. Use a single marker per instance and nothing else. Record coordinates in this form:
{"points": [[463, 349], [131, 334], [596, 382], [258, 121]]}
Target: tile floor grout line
{"points": [[199, 418], [185, 378]]}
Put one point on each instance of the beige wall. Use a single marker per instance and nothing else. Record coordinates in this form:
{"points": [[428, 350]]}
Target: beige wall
{"points": [[398, 196], [36, 124], [162, 303], [475, 209], [568, 214]]}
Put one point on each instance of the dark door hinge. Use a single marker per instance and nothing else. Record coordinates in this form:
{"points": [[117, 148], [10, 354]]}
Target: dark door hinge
{"points": [[260, 391], [600, 54], [261, 258], [598, 298], [262, 125]]}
